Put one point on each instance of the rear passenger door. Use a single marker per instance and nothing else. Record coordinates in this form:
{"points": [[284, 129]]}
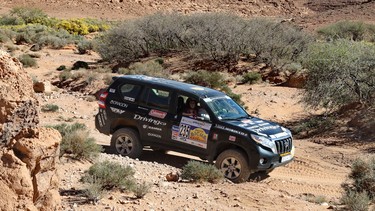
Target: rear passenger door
{"points": [[155, 123]]}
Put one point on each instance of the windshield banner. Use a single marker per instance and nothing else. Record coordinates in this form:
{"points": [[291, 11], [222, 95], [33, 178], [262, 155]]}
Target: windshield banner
{"points": [[192, 132]]}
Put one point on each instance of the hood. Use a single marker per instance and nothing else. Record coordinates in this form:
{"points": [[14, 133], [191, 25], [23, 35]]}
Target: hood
{"points": [[259, 126]]}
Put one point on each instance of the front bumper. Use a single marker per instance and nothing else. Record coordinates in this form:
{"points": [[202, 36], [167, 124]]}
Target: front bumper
{"points": [[268, 160]]}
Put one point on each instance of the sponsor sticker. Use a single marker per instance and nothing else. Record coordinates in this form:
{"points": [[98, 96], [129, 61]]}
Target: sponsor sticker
{"points": [[154, 128], [114, 102], [112, 90], [192, 132], [157, 114], [129, 99], [279, 135], [149, 120], [232, 138], [154, 135], [230, 130], [117, 111], [215, 136]]}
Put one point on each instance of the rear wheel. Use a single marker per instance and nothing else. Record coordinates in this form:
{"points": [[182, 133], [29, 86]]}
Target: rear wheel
{"points": [[234, 165], [126, 142]]}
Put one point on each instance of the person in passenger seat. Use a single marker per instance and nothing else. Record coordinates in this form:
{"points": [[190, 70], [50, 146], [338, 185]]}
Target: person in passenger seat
{"points": [[191, 108]]}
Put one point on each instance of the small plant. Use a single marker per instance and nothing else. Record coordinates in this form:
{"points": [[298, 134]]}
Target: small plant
{"points": [[50, 108], [27, 60], [84, 46], [362, 189], [61, 67], [76, 141], [34, 55], [358, 201], [149, 68], [65, 75], [205, 78], [316, 199], [213, 80], [199, 172], [111, 175], [94, 191], [91, 98], [315, 124], [108, 79], [251, 77], [141, 189]]}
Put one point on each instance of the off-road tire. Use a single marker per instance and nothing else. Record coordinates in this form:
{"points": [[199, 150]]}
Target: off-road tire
{"points": [[126, 142], [233, 163]]}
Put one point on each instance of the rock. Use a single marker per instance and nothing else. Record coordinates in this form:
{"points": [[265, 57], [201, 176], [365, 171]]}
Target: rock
{"points": [[296, 80], [43, 87], [28, 153], [172, 177], [80, 64]]}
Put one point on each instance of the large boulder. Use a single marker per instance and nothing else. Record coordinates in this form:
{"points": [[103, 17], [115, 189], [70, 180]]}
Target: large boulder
{"points": [[28, 153]]}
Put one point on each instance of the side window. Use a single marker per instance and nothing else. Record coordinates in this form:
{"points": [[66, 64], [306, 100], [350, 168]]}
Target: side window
{"points": [[130, 91], [157, 98]]}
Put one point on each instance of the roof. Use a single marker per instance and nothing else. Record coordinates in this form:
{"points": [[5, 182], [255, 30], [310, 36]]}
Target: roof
{"points": [[199, 91]]}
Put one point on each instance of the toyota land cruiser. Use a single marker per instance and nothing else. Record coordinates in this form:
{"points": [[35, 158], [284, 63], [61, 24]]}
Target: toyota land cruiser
{"points": [[143, 111]]}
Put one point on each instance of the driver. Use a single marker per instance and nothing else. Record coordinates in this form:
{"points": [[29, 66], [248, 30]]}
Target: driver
{"points": [[191, 108]]}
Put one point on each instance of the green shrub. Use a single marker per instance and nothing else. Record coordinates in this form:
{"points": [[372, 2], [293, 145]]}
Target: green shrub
{"points": [[221, 38], [340, 73], [251, 77], [351, 30], [65, 75], [50, 108], [27, 60], [5, 35], [111, 175], [213, 80], [149, 68], [84, 46], [141, 189], [314, 125], [82, 26], [61, 67], [358, 201], [316, 199], [199, 172], [108, 79], [76, 141], [205, 78], [363, 175], [28, 15], [53, 41], [94, 190]]}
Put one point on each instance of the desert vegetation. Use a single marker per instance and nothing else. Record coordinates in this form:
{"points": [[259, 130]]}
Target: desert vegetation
{"points": [[360, 190]]}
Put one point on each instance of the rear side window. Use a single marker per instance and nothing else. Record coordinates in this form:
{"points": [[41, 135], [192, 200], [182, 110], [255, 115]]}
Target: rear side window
{"points": [[130, 91], [157, 98]]}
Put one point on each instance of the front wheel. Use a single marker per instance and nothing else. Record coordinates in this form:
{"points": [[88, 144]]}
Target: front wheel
{"points": [[234, 165], [126, 142]]}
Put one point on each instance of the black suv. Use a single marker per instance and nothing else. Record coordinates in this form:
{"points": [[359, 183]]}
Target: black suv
{"points": [[145, 111]]}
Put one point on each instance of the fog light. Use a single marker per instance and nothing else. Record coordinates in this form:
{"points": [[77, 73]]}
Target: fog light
{"points": [[262, 161]]}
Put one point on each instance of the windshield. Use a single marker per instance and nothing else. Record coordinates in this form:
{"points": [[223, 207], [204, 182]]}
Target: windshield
{"points": [[225, 108]]}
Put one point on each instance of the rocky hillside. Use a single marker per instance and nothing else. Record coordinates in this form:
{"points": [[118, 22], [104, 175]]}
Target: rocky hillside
{"points": [[28, 153], [307, 13]]}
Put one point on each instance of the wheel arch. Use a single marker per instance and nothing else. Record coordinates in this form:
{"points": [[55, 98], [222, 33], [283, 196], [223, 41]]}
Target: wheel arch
{"points": [[221, 147], [122, 123]]}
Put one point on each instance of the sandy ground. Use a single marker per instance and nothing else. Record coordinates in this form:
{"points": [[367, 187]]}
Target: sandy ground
{"points": [[317, 170]]}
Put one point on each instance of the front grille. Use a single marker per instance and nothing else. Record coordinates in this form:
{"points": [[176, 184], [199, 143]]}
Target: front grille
{"points": [[284, 145]]}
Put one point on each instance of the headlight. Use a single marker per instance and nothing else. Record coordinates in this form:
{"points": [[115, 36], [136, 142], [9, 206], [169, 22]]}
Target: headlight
{"points": [[265, 142]]}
